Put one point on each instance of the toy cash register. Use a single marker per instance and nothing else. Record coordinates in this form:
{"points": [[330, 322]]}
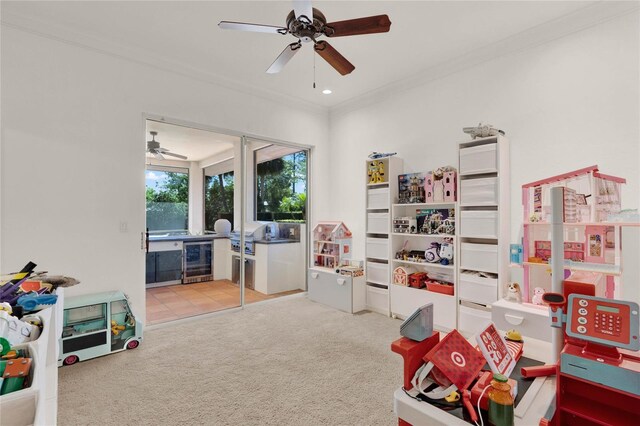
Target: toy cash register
{"points": [[597, 384]]}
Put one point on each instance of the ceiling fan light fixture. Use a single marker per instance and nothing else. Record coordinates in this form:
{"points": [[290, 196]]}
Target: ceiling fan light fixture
{"points": [[327, 92]]}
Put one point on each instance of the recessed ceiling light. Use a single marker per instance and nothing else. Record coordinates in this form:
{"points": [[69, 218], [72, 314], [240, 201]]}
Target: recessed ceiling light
{"points": [[326, 92]]}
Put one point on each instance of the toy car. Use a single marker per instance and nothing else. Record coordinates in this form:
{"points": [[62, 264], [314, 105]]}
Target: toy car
{"points": [[97, 324]]}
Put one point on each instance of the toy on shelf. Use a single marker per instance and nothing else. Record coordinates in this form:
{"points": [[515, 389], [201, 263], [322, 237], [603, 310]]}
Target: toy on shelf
{"points": [[440, 185], [404, 225], [537, 296], [376, 171], [446, 252], [351, 268], [432, 254], [331, 244], [516, 254], [436, 221], [482, 131], [411, 188], [401, 275], [588, 198], [514, 293], [418, 279], [377, 155], [86, 333]]}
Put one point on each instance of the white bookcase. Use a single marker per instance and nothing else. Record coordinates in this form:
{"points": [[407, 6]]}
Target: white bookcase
{"points": [[405, 299], [380, 196], [483, 229]]}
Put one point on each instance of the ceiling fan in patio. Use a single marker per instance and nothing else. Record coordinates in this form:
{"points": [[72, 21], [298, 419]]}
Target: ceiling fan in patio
{"points": [[308, 24], [153, 147]]}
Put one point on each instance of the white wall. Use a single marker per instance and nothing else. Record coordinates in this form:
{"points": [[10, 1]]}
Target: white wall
{"points": [[73, 154], [564, 105]]}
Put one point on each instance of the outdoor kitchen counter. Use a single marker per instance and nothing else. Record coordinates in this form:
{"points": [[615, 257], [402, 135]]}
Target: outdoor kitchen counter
{"points": [[153, 238], [276, 241]]}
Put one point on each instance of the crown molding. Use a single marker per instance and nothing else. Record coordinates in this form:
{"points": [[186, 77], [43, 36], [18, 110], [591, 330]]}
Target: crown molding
{"points": [[587, 17], [70, 37]]}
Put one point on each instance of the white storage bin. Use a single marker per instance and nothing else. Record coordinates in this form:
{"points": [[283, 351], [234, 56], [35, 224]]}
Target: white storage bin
{"points": [[479, 192], [378, 223], [378, 299], [479, 224], [378, 273], [378, 198], [477, 289], [529, 320], [378, 248], [479, 257], [479, 159], [473, 318]]}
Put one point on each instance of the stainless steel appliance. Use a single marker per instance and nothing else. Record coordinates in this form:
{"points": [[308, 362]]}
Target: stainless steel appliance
{"points": [[197, 261], [249, 272], [252, 231]]}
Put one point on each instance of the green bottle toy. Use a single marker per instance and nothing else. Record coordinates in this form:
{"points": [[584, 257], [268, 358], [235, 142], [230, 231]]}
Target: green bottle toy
{"points": [[500, 402]]}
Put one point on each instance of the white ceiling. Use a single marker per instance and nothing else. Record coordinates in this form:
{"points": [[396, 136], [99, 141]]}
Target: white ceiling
{"points": [[424, 35], [195, 144]]}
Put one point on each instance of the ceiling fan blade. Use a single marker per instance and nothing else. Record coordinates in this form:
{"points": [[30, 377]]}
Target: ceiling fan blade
{"points": [[174, 155], [157, 155], [258, 28], [303, 8], [368, 25], [284, 58], [335, 59]]}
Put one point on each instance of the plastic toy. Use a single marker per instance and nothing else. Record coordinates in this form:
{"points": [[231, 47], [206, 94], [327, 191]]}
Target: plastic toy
{"points": [[96, 325], [513, 335], [482, 131], [513, 293], [418, 279], [34, 301], [14, 372], [376, 155], [16, 330], [446, 253], [537, 296], [432, 254], [401, 275]]}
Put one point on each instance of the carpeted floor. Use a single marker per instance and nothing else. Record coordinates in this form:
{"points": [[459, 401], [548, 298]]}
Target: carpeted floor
{"points": [[286, 362]]}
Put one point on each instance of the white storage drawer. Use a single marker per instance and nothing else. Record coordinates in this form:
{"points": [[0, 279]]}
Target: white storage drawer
{"points": [[529, 320], [473, 318], [378, 248], [378, 198], [164, 245], [479, 159], [479, 192], [378, 223], [479, 224], [479, 257], [378, 273], [477, 289], [378, 299]]}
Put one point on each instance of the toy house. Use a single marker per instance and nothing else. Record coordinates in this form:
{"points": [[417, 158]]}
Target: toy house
{"points": [[591, 245], [331, 244], [401, 275]]}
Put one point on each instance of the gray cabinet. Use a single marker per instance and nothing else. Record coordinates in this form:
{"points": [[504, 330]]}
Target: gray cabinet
{"points": [[338, 291], [164, 266]]}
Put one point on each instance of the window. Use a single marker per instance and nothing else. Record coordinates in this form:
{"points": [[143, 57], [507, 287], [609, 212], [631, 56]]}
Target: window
{"points": [[218, 199], [167, 198], [281, 184]]}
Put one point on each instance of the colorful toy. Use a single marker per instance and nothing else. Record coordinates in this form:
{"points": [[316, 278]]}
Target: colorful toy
{"points": [[331, 244], [513, 335], [401, 275], [418, 279], [446, 252], [514, 293], [432, 254], [16, 330], [537, 296], [14, 372], [97, 324], [411, 188]]}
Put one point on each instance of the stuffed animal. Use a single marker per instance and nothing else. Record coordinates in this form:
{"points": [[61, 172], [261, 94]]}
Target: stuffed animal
{"points": [[537, 296], [514, 293]]}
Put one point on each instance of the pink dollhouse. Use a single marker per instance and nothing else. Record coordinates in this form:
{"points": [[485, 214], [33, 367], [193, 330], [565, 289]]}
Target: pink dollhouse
{"points": [[591, 246], [331, 244], [440, 186]]}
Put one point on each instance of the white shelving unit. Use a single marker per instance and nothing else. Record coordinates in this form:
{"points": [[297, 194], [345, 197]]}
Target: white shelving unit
{"points": [[380, 197], [38, 404], [483, 228], [405, 300]]}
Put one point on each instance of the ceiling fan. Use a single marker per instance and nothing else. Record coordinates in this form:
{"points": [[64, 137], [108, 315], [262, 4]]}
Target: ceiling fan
{"points": [[307, 24], [153, 147]]}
